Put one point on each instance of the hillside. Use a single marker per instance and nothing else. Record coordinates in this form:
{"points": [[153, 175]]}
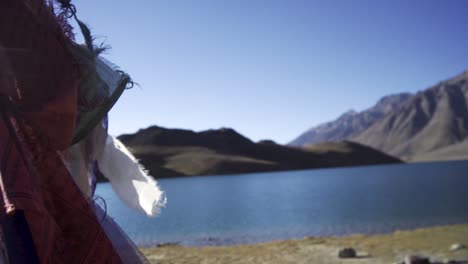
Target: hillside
{"points": [[175, 152], [427, 126], [432, 121], [458, 151], [350, 123]]}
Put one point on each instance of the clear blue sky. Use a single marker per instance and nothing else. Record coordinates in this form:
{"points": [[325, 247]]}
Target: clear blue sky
{"points": [[272, 69]]}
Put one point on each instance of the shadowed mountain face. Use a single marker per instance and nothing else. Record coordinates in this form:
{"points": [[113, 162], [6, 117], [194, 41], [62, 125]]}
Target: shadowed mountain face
{"points": [[350, 123], [175, 152], [432, 120], [430, 125]]}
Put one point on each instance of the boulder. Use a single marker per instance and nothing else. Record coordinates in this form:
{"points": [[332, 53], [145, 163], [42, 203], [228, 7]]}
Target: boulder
{"points": [[416, 260], [457, 246], [347, 253], [167, 244]]}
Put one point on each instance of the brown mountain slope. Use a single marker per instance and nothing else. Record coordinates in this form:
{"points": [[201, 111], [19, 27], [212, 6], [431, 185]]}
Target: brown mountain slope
{"points": [[175, 152], [350, 123], [458, 151], [431, 120]]}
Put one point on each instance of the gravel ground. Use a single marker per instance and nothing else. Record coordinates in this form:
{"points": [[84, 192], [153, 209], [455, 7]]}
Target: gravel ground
{"points": [[389, 248]]}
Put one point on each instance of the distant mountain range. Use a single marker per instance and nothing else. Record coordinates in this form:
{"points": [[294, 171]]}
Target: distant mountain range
{"points": [[350, 123], [429, 125], [176, 152]]}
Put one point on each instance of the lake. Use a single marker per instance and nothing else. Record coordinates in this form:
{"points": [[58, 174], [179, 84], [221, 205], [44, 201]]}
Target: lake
{"points": [[250, 208]]}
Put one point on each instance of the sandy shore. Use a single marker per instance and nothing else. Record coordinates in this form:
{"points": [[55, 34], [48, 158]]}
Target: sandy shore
{"points": [[389, 248]]}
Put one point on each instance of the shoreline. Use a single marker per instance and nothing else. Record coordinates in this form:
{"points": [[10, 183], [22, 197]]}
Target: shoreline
{"points": [[433, 242]]}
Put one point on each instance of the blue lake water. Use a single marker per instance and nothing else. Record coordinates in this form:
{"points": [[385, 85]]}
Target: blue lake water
{"points": [[250, 208]]}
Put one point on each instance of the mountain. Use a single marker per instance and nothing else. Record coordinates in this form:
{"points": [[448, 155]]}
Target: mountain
{"points": [[430, 125], [350, 123], [427, 126], [176, 152], [456, 151]]}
